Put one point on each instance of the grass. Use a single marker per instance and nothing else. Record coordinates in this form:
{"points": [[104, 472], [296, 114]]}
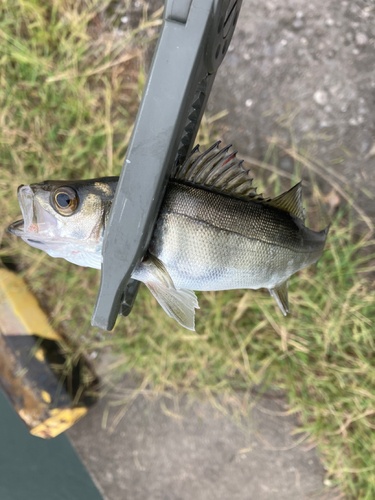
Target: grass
{"points": [[70, 88]]}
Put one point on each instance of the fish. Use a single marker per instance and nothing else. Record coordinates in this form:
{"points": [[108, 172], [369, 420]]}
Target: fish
{"points": [[213, 231]]}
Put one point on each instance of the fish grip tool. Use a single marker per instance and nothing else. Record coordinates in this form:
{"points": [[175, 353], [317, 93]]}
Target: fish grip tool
{"points": [[193, 42]]}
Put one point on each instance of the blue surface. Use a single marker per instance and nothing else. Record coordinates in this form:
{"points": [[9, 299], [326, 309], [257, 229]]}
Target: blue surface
{"points": [[36, 469]]}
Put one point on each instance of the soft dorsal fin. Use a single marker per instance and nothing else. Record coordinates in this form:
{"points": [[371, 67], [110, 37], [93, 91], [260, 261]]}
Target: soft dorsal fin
{"points": [[290, 201], [280, 294], [217, 170]]}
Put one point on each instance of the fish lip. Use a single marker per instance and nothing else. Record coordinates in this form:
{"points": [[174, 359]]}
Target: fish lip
{"points": [[25, 196], [17, 228]]}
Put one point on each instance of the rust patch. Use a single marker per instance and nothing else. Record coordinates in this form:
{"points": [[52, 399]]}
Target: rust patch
{"points": [[15, 385]]}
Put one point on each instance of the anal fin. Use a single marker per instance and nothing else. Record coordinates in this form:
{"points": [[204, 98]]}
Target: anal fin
{"points": [[280, 294]]}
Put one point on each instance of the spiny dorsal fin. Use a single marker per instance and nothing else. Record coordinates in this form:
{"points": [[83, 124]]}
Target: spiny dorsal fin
{"points": [[290, 201], [217, 170], [280, 294]]}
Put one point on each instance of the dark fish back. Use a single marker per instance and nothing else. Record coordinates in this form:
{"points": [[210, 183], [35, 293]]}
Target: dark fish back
{"points": [[248, 218]]}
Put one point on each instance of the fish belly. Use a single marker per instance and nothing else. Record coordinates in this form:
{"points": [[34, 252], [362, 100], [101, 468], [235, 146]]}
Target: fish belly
{"points": [[200, 256]]}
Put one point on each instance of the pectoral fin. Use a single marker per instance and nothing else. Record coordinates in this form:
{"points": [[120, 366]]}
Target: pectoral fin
{"points": [[179, 304], [280, 293]]}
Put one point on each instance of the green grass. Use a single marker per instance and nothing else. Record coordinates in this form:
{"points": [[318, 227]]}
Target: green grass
{"points": [[70, 88]]}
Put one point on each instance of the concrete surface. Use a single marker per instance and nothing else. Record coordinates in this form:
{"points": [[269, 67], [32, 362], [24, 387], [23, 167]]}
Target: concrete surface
{"points": [[316, 59], [157, 452]]}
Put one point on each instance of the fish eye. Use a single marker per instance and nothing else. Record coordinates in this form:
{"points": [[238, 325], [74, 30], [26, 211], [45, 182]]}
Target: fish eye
{"points": [[65, 200]]}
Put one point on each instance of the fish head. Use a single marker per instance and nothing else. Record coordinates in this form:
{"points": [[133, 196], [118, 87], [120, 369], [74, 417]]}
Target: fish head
{"points": [[66, 218]]}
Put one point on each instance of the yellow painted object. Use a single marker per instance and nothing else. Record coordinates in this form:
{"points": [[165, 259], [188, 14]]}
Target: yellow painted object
{"points": [[59, 422], [25, 306], [27, 345]]}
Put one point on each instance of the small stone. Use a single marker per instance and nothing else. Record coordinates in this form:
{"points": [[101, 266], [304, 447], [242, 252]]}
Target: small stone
{"points": [[299, 14], [362, 109], [330, 22], [248, 103], [246, 56], [286, 163], [305, 125], [303, 40], [283, 42], [367, 11], [271, 6], [353, 122], [355, 52], [251, 40], [298, 24], [365, 146], [328, 108], [124, 19], [334, 90], [277, 61], [321, 97], [371, 152], [361, 39]]}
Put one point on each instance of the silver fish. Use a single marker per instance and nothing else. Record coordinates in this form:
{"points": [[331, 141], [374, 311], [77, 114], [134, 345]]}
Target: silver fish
{"points": [[213, 231]]}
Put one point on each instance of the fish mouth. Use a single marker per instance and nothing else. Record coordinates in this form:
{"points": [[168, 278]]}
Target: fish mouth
{"points": [[18, 229], [26, 201], [26, 228]]}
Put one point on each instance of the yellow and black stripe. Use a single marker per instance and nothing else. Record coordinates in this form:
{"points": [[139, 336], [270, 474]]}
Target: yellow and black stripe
{"points": [[33, 367]]}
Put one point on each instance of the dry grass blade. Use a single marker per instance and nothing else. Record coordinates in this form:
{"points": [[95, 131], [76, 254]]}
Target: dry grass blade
{"points": [[282, 448], [266, 166], [101, 69]]}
